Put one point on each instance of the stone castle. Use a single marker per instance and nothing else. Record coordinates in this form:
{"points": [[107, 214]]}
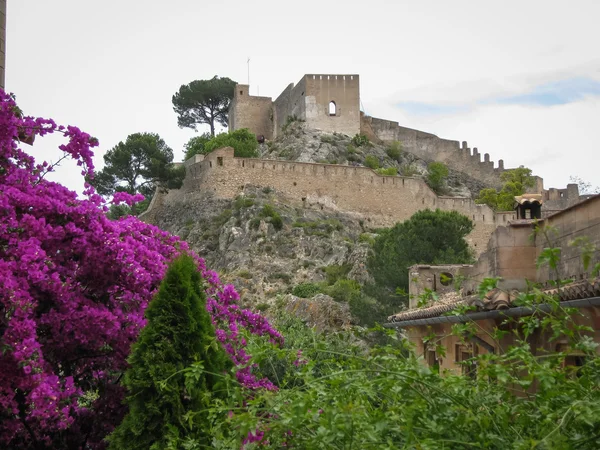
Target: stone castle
{"points": [[330, 103]]}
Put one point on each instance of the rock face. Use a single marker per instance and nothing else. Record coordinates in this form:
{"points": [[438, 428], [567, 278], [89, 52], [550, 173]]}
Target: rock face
{"points": [[321, 312], [261, 255]]}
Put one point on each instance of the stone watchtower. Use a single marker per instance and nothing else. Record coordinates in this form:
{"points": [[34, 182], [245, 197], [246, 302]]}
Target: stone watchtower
{"points": [[330, 103]]}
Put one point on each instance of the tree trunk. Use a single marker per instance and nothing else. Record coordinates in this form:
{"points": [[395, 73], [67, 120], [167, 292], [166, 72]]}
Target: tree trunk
{"points": [[212, 126]]}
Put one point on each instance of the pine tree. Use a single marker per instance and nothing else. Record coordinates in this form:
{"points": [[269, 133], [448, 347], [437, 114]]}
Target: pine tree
{"points": [[166, 405]]}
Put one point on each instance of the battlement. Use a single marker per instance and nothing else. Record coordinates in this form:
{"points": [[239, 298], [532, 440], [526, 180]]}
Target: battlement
{"points": [[379, 200], [432, 148]]}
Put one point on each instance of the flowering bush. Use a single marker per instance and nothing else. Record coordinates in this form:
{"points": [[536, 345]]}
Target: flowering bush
{"points": [[75, 287]]}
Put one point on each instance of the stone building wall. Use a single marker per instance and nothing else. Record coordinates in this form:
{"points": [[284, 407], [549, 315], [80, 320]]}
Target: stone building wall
{"points": [[438, 279], [344, 92], [2, 41], [581, 220], [291, 102], [252, 112], [379, 200]]}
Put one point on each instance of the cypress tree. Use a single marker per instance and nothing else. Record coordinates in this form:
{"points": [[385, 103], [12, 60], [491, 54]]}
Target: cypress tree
{"points": [[166, 404]]}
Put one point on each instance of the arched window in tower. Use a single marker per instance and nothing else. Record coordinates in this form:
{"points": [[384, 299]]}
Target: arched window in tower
{"points": [[332, 108]]}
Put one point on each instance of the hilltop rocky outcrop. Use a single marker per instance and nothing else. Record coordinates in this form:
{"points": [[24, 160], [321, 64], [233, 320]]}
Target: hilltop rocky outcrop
{"points": [[299, 143], [265, 246]]}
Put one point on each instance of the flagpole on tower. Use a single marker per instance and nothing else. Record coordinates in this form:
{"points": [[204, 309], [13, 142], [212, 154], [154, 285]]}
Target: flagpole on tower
{"points": [[248, 75]]}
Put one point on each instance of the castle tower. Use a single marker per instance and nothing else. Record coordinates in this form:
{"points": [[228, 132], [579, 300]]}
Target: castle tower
{"points": [[330, 103]]}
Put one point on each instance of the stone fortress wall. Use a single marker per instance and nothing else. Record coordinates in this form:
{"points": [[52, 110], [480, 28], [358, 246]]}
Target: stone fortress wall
{"points": [[432, 148], [378, 200]]}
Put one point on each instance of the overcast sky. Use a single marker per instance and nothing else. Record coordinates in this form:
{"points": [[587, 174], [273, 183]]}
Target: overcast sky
{"points": [[517, 79]]}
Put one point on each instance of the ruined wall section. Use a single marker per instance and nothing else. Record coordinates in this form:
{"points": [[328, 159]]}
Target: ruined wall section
{"points": [[291, 102], [252, 112], [430, 147], [558, 199], [379, 200], [344, 92]]}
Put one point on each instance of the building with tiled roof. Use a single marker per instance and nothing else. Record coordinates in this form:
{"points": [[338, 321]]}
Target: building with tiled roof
{"points": [[451, 291]]}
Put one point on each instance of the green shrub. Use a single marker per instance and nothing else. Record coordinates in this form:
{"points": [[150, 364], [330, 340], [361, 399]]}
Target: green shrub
{"points": [[269, 212], [343, 289], [336, 272], [280, 276], [175, 368], [409, 171], [243, 202], [262, 307], [390, 171], [290, 120], [351, 149], [428, 237], [244, 143], [372, 162], [306, 290], [366, 237], [319, 227], [327, 139], [254, 223], [359, 140], [394, 150], [197, 145], [365, 309], [438, 173], [244, 274], [267, 190]]}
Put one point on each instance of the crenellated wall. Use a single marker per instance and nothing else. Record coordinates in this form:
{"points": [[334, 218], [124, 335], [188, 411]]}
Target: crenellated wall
{"points": [[379, 200], [430, 147]]}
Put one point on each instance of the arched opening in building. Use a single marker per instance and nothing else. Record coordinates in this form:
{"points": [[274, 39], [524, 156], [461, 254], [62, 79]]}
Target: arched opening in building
{"points": [[332, 108]]}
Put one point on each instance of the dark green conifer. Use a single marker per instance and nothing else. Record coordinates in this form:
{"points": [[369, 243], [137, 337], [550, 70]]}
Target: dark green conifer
{"points": [[177, 368]]}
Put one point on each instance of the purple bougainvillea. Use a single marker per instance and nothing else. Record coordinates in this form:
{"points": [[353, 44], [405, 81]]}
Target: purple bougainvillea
{"points": [[74, 289]]}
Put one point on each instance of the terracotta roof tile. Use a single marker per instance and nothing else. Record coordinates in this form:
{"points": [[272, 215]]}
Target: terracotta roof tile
{"points": [[496, 299]]}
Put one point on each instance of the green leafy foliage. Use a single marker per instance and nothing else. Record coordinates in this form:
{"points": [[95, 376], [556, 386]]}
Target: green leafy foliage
{"points": [[138, 166], [409, 170], [371, 162], [394, 150], [437, 176], [306, 290], [360, 140], [334, 392], [516, 182], [390, 171], [204, 102], [244, 143], [177, 368], [196, 145], [428, 237], [289, 121], [268, 212]]}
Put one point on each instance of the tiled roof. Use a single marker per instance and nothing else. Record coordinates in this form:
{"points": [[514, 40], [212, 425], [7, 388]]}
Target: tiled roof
{"points": [[496, 299], [529, 198]]}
